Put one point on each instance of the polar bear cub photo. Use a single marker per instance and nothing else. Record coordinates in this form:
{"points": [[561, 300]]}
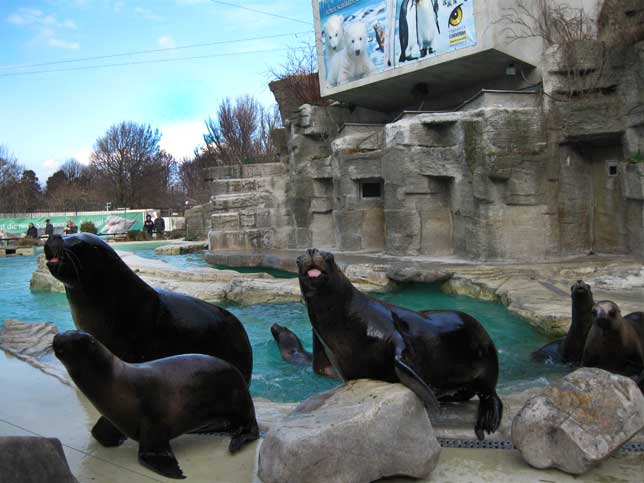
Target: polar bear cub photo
{"points": [[356, 63], [334, 41]]}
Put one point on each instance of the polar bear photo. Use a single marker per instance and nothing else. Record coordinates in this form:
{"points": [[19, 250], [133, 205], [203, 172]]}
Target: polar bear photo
{"points": [[334, 42], [356, 63]]}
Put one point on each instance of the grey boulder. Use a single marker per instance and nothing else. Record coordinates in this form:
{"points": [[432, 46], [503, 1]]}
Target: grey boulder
{"points": [[579, 421], [28, 459], [359, 432]]}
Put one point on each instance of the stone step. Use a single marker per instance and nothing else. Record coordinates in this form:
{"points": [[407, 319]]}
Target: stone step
{"points": [[245, 171], [359, 138], [240, 185], [245, 239], [224, 221], [237, 201]]}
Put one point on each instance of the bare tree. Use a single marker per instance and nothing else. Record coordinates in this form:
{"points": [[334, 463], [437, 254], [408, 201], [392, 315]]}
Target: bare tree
{"points": [[297, 78], [567, 30], [122, 156], [10, 172], [192, 180], [73, 169], [239, 134]]}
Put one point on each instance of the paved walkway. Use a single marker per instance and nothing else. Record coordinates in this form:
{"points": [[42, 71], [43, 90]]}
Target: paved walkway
{"points": [[34, 403]]}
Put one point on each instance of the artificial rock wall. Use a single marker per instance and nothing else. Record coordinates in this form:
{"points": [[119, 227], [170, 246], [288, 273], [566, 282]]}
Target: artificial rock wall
{"points": [[507, 175]]}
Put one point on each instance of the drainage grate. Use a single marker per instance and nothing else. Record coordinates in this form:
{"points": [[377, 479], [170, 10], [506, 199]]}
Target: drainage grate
{"points": [[633, 447], [507, 445], [474, 444]]}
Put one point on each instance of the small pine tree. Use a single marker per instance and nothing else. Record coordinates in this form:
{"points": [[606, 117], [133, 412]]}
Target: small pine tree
{"points": [[88, 227]]}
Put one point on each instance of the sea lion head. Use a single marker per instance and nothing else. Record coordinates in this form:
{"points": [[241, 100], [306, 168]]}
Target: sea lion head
{"points": [[581, 292], [80, 353], [284, 337], [606, 315], [76, 259], [277, 330], [317, 271]]}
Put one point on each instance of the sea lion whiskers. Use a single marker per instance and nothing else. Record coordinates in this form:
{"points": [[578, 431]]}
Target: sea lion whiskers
{"points": [[74, 261]]}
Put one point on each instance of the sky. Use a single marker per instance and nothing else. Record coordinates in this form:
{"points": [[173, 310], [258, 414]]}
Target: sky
{"points": [[52, 112]]}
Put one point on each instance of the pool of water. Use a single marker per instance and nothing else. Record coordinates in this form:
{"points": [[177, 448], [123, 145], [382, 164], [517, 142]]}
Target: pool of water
{"points": [[274, 378]]}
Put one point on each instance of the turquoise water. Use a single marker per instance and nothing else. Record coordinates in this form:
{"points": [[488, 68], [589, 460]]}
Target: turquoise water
{"points": [[273, 378]]}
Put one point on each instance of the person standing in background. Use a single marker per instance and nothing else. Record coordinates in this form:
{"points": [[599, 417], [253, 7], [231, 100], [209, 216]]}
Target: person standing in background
{"points": [[148, 227], [49, 228], [32, 232], [159, 225], [70, 227]]}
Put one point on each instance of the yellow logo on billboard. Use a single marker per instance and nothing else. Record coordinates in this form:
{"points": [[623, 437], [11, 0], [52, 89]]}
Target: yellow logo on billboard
{"points": [[456, 17]]}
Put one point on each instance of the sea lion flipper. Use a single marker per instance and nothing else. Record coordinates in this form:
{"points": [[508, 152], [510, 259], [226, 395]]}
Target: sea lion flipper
{"points": [[490, 413], [161, 461], [404, 367], [156, 454], [242, 436], [107, 434]]}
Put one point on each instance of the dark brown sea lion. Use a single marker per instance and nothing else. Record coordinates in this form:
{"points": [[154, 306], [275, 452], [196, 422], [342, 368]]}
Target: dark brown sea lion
{"points": [[293, 351], [441, 355], [616, 343], [154, 402], [133, 320], [569, 349], [290, 346]]}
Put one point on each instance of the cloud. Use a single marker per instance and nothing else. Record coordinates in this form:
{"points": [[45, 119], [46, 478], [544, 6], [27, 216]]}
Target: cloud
{"points": [[50, 164], [63, 44], [33, 17], [166, 42], [46, 27], [82, 156], [147, 14], [181, 138]]}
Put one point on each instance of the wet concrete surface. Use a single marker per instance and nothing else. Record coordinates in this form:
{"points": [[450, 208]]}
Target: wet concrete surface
{"points": [[34, 403]]}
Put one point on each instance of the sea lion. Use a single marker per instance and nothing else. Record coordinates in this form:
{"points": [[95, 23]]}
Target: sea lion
{"points": [[441, 355], [133, 320], [154, 402], [569, 349], [290, 346], [293, 351], [616, 343]]}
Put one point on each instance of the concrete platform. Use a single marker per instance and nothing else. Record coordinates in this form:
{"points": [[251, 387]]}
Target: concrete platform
{"points": [[34, 403]]}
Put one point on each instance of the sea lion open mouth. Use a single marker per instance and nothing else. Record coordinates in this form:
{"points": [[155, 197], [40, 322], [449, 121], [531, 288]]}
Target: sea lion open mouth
{"points": [[54, 249], [314, 273]]}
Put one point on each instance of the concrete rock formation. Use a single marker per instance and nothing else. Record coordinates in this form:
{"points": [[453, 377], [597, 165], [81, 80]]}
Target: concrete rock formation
{"points": [[505, 175], [360, 432], [579, 421], [31, 339], [27, 459]]}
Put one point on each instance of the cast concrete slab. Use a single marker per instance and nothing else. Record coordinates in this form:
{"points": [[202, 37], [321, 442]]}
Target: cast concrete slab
{"points": [[34, 403]]}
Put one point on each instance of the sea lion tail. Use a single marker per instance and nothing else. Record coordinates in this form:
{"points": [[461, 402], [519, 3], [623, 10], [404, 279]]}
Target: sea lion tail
{"points": [[489, 415]]}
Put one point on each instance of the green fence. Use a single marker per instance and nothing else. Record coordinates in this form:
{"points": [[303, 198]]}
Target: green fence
{"points": [[108, 223]]}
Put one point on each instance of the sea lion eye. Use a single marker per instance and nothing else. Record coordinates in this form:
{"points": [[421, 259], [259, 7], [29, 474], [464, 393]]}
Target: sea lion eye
{"points": [[612, 312], [594, 312]]}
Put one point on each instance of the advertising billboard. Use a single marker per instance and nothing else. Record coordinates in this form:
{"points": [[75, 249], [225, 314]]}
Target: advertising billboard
{"points": [[361, 38]]}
